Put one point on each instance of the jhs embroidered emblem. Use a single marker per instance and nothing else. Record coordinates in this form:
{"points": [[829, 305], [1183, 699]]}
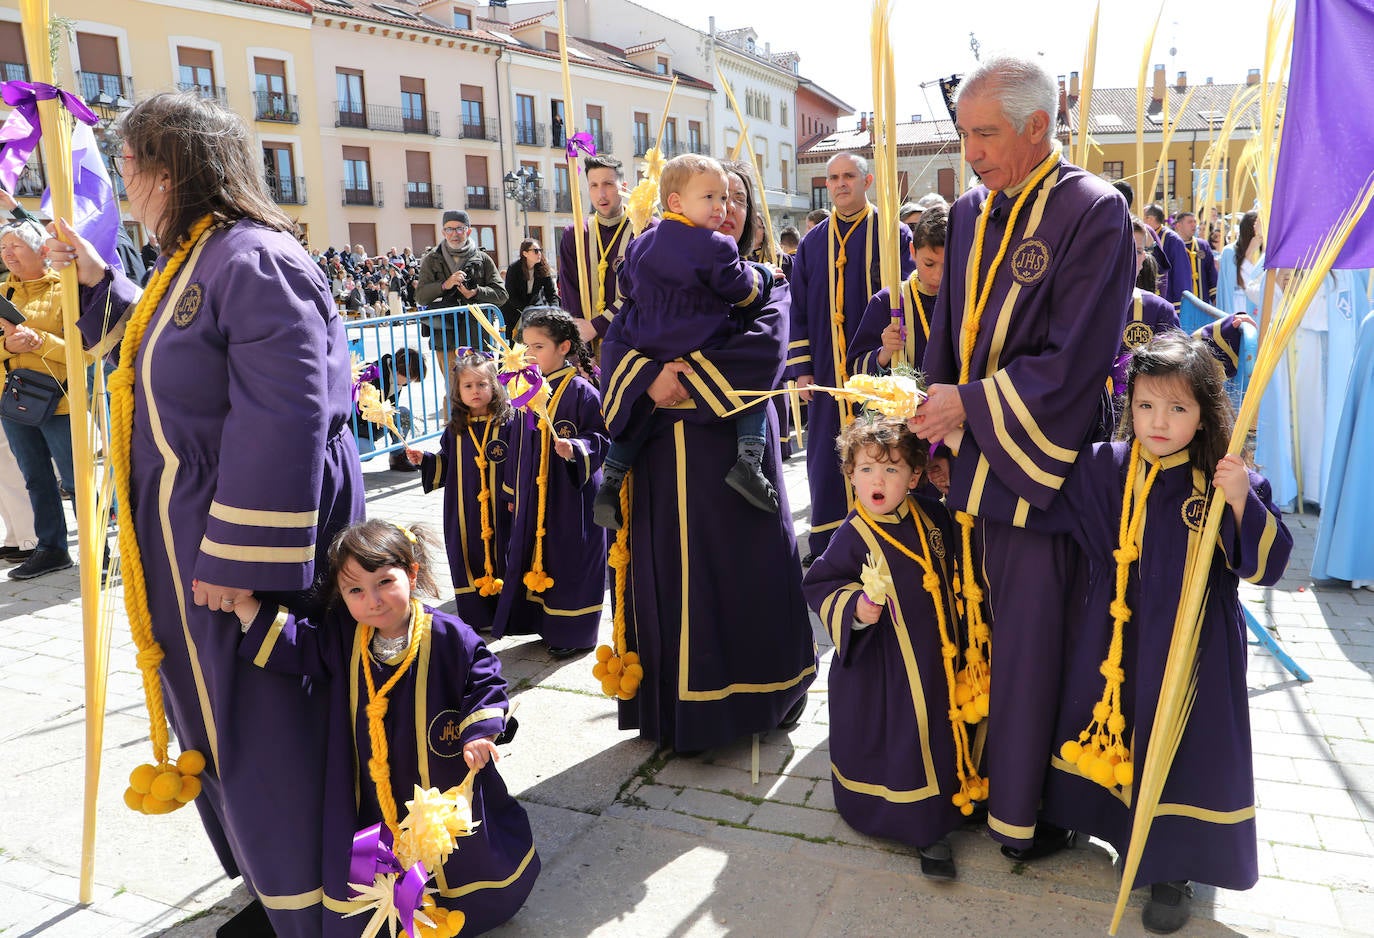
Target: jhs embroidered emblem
{"points": [[496, 450], [1194, 512], [445, 735], [937, 543], [1030, 261], [187, 306], [565, 428], [1137, 333]]}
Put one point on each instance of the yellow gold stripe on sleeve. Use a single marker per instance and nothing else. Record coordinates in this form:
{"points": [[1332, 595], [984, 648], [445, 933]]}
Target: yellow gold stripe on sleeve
{"points": [[1266, 542], [616, 397], [256, 554], [261, 518], [1012, 448], [1206, 814], [270, 642], [711, 399], [698, 358], [1028, 423], [477, 716]]}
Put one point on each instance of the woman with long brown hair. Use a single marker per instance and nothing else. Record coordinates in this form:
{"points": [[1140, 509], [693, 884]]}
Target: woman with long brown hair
{"points": [[235, 466], [529, 282]]}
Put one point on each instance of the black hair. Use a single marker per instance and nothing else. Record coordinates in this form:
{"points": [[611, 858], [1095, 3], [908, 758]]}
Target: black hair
{"points": [[376, 544], [561, 328], [1155, 212], [1248, 224], [1126, 190], [602, 161], [930, 230], [1176, 356]]}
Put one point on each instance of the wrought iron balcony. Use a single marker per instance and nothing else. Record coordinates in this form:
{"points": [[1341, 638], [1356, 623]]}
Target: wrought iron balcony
{"points": [[286, 190], [484, 129], [365, 196], [209, 92], [385, 118], [642, 144], [113, 91], [32, 181], [481, 197], [562, 202], [424, 195], [530, 134], [672, 148], [271, 106], [698, 146], [603, 141]]}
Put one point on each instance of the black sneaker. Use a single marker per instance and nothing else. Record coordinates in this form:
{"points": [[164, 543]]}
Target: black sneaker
{"points": [[41, 562], [398, 463], [1169, 907], [606, 508], [15, 554], [747, 479]]}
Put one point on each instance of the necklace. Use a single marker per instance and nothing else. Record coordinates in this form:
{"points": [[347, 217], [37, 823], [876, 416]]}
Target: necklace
{"points": [[384, 649]]}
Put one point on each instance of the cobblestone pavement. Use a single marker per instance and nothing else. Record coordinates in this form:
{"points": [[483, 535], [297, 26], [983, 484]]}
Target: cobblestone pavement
{"points": [[641, 843]]}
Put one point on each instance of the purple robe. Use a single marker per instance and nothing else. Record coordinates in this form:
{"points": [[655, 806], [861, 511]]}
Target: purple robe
{"points": [[682, 283], [892, 766], [454, 468], [1203, 270], [1205, 830], [569, 270], [709, 575], [567, 614], [455, 692], [1046, 343], [917, 308], [1175, 267], [812, 348], [243, 469]]}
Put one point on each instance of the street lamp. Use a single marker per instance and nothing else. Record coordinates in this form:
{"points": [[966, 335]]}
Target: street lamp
{"points": [[522, 187]]}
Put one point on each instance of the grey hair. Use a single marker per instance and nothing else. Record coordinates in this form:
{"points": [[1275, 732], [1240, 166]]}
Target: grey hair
{"points": [[1022, 86], [860, 162], [28, 232]]}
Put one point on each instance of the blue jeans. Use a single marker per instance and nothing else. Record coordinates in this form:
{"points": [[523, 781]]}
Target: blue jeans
{"points": [[36, 449]]}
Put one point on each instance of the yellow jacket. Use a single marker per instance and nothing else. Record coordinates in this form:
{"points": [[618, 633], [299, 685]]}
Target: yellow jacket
{"points": [[41, 303]]}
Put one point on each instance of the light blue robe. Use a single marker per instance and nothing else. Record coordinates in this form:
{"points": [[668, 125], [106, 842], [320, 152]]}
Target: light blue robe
{"points": [[1344, 549]]}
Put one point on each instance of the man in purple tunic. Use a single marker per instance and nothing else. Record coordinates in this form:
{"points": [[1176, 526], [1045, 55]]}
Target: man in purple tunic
{"points": [[606, 235], [1202, 267], [834, 275], [1039, 270], [1171, 254]]}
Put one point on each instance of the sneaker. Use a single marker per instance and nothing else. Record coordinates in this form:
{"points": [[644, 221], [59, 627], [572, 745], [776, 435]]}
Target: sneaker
{"points": [[1169, 907], [606, 508], [41, 562], [398, 463], [747, 479], [15, 554]]}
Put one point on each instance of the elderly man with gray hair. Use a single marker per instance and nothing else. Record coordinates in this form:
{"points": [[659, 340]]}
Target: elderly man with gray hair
{"points": [[1039, 270]]}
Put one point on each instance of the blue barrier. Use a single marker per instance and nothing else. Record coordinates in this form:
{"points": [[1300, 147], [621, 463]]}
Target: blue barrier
{"points": [[423, 337]]}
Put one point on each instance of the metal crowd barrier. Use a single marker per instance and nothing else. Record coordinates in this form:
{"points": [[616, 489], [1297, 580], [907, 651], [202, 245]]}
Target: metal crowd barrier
{"points": [[415, 336]]}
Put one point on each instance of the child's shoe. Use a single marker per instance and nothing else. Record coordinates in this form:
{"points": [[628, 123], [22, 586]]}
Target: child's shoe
{"points": [[606, 506], [747, 478]]}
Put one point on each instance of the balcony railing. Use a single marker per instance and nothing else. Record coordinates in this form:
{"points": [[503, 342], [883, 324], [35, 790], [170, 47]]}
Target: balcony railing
{"points": [[424, 195], [208, 92], [107, 90], [642, 144], [603, 141], [672, 148], [480, 197], [562, 202], [386, 118], [32, 181], [698, 146], [530, 134], [367, 196], [481, 129], [532, 200], [286, 190], [14, 71], [271, 106]]}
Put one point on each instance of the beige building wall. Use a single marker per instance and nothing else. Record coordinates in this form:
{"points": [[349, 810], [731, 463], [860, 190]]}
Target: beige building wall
{"points": [[401, 212], [152, 39]]}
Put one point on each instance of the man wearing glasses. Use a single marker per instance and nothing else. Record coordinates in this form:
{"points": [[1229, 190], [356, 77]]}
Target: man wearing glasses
{"points": [[456, 273]]}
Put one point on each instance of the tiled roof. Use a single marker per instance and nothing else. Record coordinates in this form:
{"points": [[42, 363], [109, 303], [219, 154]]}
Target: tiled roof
{"points": [[1113, 110], [931, 135], [291, 6], [643, 47], [373, 12]]}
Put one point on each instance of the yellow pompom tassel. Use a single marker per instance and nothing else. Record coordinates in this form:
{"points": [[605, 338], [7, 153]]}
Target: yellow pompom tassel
{"points": [[162, 788]]}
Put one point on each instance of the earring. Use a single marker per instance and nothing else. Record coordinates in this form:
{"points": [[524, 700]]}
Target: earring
{"points": [[161, 188]]}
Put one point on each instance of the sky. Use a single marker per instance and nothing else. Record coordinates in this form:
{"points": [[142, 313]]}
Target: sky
{"points": [[1222, 39]]}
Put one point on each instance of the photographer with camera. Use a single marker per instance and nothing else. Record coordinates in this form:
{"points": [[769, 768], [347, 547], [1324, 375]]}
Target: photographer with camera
{"points": [[456, 273]]}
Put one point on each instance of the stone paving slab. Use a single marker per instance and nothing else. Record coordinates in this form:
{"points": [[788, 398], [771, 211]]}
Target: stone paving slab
{"points": [[642, 843]]}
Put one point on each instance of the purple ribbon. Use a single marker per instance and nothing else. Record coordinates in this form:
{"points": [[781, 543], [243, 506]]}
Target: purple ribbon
{"points": [[22, 129], [583, 141], [1120, 371], [463, 351], [531, 374], [899, 314], [372, 854], [369, 373]]}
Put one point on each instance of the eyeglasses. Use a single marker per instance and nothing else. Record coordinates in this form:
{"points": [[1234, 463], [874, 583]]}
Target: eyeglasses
{"points": [[535, 250], [449, 229], [119, 162]]}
